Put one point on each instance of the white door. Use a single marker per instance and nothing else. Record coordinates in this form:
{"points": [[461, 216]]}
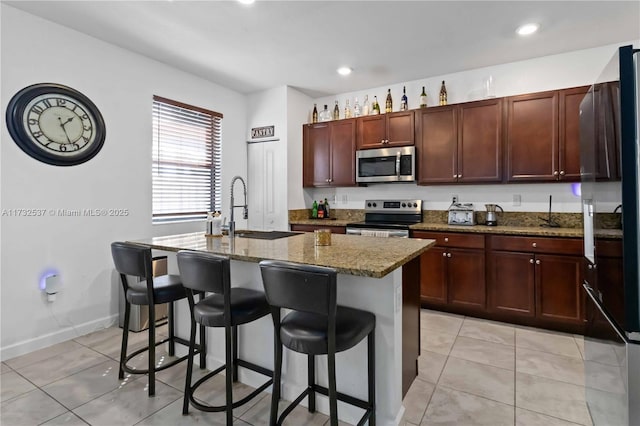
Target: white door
{"points": [[267, 186]]}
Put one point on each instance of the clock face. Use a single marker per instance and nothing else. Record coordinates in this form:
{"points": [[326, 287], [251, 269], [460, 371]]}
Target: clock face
{"points": [[55, 124]]}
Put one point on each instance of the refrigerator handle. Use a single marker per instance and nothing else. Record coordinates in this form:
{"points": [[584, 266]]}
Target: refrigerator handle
{"points": [[591, 293]]}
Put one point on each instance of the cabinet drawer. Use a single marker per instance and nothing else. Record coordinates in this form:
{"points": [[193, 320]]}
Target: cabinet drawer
{"points": [[609, 248], [311, 228], [449, 239], [536, 244]]}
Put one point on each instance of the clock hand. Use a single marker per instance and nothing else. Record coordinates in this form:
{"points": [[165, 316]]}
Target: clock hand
{"points": [[63, 129]]}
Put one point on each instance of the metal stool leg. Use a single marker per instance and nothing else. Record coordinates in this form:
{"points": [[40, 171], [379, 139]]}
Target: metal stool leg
{"points": [[235, 353], [172, 332], [333, 397], [125, 338], [277, 376], [152, 349], [187, 386], [229, 374], [371, 362], [311, 380]]}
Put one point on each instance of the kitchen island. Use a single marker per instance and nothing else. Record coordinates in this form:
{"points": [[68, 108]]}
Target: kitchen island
{"points": [[378, 275]]}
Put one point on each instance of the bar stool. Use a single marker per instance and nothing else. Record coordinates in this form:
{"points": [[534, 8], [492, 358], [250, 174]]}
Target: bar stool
{"points": [[227, 307], [133, 259], [317, 326]]}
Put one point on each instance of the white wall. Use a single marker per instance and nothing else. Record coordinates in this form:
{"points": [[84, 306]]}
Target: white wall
{"points": [[297, 114], [546, 73], [122, 85]]}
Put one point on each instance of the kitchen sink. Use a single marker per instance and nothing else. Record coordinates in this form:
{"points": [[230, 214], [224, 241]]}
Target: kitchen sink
{"points": [[265, 235]]}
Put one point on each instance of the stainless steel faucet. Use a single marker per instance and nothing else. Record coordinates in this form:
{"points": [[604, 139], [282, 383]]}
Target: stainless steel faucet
{"points": [[245, 208]]}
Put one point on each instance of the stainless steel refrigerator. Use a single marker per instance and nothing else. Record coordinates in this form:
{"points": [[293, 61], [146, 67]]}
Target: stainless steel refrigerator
{"points": [[609, 132]]}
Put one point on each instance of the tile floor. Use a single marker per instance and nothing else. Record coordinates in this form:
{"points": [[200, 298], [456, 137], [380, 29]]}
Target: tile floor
{"points": [[472, 372]]}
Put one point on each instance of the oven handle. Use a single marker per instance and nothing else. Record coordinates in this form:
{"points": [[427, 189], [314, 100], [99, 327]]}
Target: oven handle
{"points": [[398, 164], [591, 293], [392, 233]]}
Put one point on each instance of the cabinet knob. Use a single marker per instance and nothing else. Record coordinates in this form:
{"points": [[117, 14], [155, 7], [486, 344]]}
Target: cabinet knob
{"points": [[455, 176], [459, 176], [448, 254], [330, 180], [444, 254], [555, 173], [530, 260], [534, 244], [561, 172], [446, 239], [537, 261], [382, 141], [589, 266]]}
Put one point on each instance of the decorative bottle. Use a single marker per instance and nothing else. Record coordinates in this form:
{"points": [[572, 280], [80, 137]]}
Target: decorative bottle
{"points": [[314, 210], [357, 111], [320, 210], [443, 94], [388, 104], [375, 109], [325, 115], [366, 108], [404, 100], [336, 111], [326, 209], [347, 110], [423, 98], [315, 114]]}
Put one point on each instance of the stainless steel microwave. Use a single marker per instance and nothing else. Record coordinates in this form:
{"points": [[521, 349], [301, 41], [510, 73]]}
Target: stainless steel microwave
{"points": [[386, 165]]}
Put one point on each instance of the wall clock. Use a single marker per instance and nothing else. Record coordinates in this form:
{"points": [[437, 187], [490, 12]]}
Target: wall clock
{"points": [[55, 124]]}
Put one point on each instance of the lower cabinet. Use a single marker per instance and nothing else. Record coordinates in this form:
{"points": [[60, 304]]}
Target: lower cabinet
{"points": [[311, 228], [453, 271], [511, 283]]}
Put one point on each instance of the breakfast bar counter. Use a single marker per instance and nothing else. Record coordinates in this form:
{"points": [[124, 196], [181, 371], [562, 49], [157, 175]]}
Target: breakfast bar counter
{"points": [[377, 275]]}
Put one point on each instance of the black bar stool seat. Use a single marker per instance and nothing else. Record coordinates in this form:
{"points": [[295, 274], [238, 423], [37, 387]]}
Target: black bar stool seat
{"points": [[228, 307], [306, 332], [135, 260], [317, 326], [246, 305]]}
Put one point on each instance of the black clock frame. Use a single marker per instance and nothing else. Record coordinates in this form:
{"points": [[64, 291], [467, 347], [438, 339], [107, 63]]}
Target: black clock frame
{"points": [[14, 117]]}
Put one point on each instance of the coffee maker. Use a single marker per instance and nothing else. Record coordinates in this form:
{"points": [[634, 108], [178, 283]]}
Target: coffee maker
{"points": [[492, 214]]}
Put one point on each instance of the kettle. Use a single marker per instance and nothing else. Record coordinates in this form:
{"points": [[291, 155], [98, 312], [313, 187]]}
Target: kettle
{"points": [[492, 219]]}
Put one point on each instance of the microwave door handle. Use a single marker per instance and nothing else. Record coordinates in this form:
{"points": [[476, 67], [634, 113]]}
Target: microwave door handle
{"points": [[398, 165]]}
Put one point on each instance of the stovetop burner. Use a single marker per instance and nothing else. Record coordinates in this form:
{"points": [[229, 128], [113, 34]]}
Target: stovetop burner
{"points": [[390, 214]]}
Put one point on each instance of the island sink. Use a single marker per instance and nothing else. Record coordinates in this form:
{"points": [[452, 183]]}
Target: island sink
{"points": [[265, 235]]}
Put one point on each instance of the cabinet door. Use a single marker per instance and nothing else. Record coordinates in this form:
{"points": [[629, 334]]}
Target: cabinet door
{"points": [[372, 131], [466, 282], [437, 145], [532, 137], [569, 144], [559, 288], [511, 283], [316, 155], [343, 157], [433, 283], [400, 128], [480, 142]]}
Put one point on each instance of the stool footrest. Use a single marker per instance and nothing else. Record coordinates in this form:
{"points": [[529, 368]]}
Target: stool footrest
{"points": [[236, 404], [131, 370]]}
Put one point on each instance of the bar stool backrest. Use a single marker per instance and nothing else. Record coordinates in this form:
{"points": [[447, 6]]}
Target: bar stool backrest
{"points": [[305, 288], [204, 272], [132, 259]]}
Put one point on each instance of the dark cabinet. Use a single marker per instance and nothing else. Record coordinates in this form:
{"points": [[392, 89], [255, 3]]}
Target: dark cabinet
{"points": [[607, 133], [329, 154], [543, 135], [311, 228], [453, 270], [385, 130], [460, 143], [545, 281]]}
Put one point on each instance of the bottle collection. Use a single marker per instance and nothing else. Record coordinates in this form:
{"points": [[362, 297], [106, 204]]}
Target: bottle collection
{"points": [[373, 108], [320, 210]]}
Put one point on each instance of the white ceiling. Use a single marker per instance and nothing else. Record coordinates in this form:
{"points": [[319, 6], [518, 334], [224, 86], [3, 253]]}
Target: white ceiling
{"points": [[301, 43]]}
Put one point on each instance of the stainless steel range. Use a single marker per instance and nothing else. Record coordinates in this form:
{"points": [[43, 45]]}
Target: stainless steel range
{"points": [[387, 218]]}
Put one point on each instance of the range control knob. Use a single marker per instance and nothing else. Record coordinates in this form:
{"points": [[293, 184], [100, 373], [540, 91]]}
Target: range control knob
{"points": [[375, 205], [368, 204], [404, 205], [415, 204]]}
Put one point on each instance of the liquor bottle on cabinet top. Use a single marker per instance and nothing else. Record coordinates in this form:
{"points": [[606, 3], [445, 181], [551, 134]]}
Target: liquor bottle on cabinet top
{"points": [[443, 94], [423, 98], [336, 111], [366, 108], [388, 104], [404, 101], [315, 114], [357, 111], [375, 109], [347, 110], [325, 115]]}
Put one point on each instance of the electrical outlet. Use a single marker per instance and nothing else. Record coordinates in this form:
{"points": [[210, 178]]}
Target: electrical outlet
{"points": [[517, 199], [454, 199]]}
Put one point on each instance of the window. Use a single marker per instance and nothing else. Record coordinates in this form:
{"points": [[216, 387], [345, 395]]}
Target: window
{"points": [[186, 161]]}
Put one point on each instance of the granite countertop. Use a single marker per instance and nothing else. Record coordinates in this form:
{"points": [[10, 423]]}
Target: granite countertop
{"points": [[502, 230], [348, 254]]}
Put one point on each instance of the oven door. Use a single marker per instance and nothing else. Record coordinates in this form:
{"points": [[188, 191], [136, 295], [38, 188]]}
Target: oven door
{"points": [[379, 232], [386, 165]]}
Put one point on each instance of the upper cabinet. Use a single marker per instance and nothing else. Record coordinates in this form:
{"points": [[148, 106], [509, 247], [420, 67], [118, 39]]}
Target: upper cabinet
{"points": [[460, 143], [542, 136], [329, 154], [385, 130]]}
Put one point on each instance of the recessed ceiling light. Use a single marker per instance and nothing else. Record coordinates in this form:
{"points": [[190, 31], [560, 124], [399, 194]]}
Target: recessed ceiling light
{"points": [[247, 1], [344, 70], [527, 29]]}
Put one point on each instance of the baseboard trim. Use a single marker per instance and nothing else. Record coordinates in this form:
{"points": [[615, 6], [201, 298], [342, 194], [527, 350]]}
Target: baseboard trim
{"points": [[30, 345]]}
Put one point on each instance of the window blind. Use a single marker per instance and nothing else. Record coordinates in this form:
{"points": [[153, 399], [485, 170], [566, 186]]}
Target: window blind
{"points": [[186, 161]]}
